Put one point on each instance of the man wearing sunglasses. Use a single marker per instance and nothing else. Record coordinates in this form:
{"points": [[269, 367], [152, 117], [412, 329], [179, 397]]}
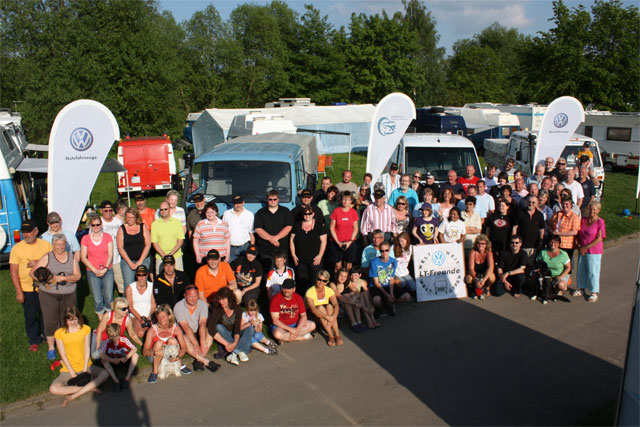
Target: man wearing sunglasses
{"points": [[167, 236], [560, 171], [272, 225], [511, 266], [385, 288]]}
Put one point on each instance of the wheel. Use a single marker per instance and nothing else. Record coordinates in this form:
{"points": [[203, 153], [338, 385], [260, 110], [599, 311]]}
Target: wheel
{"points": [[3, 238]]}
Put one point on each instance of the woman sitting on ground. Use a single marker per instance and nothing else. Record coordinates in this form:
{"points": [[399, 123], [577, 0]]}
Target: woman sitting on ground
{"points": [[141, 301], [348, 299], [164, 332], [225, 326], [480, 267], [359, 287], [73, 342], [558, 263], [323, 303], [120, 316]]}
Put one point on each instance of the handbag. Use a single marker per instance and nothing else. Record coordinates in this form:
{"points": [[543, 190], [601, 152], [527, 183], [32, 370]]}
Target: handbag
{"points": [[80, 380]]}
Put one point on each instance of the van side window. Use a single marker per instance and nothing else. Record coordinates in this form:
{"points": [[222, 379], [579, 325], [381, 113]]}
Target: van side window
{"points": [[619, 134], [300, 181], [588, 131], [5, 144]]}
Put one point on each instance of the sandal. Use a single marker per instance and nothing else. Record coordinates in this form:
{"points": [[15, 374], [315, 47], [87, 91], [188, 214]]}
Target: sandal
{"points": [[593, 298], [577, 293], [331, 342]]}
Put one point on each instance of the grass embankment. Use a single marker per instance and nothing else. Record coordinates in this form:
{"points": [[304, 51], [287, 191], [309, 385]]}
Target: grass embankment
{"points": [[26, 374]]}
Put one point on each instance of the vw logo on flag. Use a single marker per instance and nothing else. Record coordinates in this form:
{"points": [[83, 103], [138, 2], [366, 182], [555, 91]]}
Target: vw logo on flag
{"points": [[386, 126], [81, 139], [560, 120], [438, 258]]}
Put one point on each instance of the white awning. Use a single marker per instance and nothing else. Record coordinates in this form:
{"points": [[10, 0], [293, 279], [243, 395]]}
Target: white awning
{"points": [[37, 147], [33, 165]]}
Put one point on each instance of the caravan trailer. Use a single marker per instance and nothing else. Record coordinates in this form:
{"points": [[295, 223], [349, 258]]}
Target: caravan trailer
{"points": [[618, 135], [529, 115], [483, 123]]}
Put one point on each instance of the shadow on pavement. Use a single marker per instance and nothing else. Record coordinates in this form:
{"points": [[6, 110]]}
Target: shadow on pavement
{"points": [[473, 367], [121, 409]]}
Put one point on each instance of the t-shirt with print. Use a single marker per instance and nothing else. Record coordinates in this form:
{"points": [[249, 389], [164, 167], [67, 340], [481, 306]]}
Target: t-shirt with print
{"points": [[289, 310], [384, 271], [246, 271], [119, 350], [344, 223], [426, 228]]}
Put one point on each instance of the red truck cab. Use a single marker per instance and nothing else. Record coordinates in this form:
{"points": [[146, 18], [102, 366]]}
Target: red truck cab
{"points": [[149, 162]]}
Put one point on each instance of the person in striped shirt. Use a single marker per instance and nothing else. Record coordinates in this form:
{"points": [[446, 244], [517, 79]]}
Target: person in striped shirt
{"points": [[378, 216], [211, 233]]}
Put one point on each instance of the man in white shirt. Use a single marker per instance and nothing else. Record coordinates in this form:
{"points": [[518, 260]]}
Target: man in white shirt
{"points": [[111, 225], [240, 222], [391, 180], [485, 203], [577, 192]]}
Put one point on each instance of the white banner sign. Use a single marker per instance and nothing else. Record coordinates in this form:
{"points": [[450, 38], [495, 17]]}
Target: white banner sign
{"points": [[81, 136], [390, 121], [439, 271], [560, 121]]}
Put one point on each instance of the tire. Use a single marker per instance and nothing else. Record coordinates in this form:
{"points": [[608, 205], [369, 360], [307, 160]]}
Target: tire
{"points": [[3, 238]]}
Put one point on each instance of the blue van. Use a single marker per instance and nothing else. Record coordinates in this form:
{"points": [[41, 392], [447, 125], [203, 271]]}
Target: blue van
{"points": [[436, 120]]}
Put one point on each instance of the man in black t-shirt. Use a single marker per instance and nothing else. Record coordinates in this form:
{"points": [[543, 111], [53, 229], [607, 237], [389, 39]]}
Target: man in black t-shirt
{"points": [[248, 271], [511, 266], [272, 225], [530, 225], [169, 285], [430, 182]]}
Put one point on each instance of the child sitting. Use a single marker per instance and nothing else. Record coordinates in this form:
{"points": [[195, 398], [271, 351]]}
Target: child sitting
{"points": [[253, 317], [278, 274], [118, 350]]}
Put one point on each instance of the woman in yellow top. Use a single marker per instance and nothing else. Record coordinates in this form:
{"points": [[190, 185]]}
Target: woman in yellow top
{"points": [[323, 304], [73, 342]]}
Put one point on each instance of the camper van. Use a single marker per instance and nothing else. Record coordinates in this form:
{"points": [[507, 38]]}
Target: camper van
{"points": [[436, 153], [529, 115], [258, 123], [483, 123], [618, 135], [252, 165]]}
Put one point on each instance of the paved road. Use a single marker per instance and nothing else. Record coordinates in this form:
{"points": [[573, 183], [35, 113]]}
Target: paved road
{"points": [[500, 361]]}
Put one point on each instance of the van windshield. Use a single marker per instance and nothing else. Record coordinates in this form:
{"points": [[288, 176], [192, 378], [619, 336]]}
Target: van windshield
{"points": [[250, 179], [440, 160], [570, 153]]}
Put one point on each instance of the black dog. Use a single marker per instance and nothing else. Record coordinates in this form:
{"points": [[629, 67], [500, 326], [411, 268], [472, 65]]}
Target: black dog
{"points": [[546, 287]]}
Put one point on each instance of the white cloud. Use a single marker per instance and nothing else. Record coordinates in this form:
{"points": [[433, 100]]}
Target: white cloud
{"points": [[469, 17]]}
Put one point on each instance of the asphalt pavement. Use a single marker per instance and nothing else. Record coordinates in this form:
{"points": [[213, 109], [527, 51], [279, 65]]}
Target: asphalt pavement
{"points": [[502, 361]]}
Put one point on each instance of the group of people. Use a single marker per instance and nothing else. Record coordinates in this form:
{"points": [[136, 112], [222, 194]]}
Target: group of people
{"points": [[345, 250]]}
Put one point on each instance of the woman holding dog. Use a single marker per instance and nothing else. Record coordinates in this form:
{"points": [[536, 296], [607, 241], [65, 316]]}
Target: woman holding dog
{"points": [[164, 332], [57, 289], [558, 263], [592, 233]]}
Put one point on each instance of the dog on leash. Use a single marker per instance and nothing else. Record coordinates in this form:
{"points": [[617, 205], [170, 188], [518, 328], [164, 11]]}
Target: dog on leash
{"points": [[546, 286], [167, 367]]}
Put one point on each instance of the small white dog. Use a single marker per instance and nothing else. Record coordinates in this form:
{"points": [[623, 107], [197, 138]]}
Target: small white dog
{"points": [[169, 351]]}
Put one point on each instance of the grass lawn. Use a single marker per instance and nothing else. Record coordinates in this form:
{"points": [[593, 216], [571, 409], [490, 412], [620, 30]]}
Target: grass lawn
{"points": [[26, 374]]}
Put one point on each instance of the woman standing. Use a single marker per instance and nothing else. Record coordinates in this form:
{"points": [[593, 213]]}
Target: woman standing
{"points": [[96, 253], [480, 267], [327, 205], [322, 302], [344, 231], [499, 227], [592, 233], [73, 344], [453, 229], [402, 216], [446, 204], [566, 224], [211, 233], [141, 301], [307, 243], [134, 242], [60, 294]]}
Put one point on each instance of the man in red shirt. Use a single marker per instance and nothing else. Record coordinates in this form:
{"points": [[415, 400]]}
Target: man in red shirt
{"points": [[289, 315], [470, 179]]}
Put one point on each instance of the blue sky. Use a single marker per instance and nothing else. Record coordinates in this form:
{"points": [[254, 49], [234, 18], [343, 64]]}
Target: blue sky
{"points": [[456, 19]]}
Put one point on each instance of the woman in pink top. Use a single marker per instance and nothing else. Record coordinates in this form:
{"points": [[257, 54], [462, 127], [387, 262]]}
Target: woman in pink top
{"points": [[96, 253], [592, 233], [211, 233]]}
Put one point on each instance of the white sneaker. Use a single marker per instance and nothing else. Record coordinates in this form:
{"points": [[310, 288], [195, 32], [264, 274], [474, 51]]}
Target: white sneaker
{"points": [[233, 359], [534, 297], [243, 356]]}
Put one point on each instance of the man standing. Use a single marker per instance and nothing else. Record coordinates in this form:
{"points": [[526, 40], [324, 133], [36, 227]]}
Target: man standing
{"points": [[431, 183], [560, 171], [22, 258], [485, 204], [406, 191], [167, 236], [390, 180], [537, 177], [548, 166], [240, 222], [490, 179], [111, 225], [530, 225], [509, 169], [470, 179], [169, 285], [213, 276], [289, 315], [456, 187], [55, 227], [272, 226], [511, 267], [321, 194], [378, 216], [192, 314], [588, 189], [347, 184], [305, 200], [195, 215], [532, 190], [148, 215], [577, 193], [520, 191]]}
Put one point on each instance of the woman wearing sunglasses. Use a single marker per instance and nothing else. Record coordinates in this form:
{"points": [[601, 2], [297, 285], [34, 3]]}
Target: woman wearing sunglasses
{"points": [[323, 303], [96, 253], [120, 316]]}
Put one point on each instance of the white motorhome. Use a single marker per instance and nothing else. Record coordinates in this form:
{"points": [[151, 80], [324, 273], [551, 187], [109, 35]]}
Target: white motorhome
{"points": [[483, 123], [259, 123], [618, 135], [529, 115], [436, 153]]}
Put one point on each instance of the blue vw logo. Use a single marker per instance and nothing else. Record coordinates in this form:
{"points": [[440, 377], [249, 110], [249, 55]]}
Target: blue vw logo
{"points": [[81, 139], [438, 258], [386, 126], [560, 120]]}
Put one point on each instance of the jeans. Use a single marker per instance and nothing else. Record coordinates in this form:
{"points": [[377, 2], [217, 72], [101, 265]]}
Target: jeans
{"points": [[244, 345], [516, 281], [236, 251], [257, 337], [408, 283], [128, 274], [102, 290], [589, 272], [32, 317]]}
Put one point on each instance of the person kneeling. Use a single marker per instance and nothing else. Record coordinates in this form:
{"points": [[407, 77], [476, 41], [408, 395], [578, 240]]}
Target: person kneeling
{"points": [[77, 376], [511, 267], [289, 315], [558, 263], [118, 350]]}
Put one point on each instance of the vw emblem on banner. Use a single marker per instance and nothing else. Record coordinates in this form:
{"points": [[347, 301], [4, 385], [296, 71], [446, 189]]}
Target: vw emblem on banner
{"points": [[560, 120], [386, 126], [81, 139], [438, 258]]}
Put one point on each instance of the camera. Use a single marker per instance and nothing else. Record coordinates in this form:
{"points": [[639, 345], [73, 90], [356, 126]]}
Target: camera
{"points": [[146, 323]]}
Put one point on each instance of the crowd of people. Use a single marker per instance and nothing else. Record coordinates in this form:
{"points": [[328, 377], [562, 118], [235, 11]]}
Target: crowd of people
{"points": [[344, 251]]}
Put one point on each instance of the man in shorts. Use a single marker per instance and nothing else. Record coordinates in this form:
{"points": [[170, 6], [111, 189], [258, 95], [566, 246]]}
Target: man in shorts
{"points": [[289, 315], [385, 288]]}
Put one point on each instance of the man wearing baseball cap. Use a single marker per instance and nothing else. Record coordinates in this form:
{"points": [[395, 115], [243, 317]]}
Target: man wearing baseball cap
{"points": [[148, 215], [195, 215], [306, 196], [391, 180], [248, 271], [289, 315], [169, 284], [213, 276], [55, 227], [378, 216], [22, 258], [240, 222]]}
